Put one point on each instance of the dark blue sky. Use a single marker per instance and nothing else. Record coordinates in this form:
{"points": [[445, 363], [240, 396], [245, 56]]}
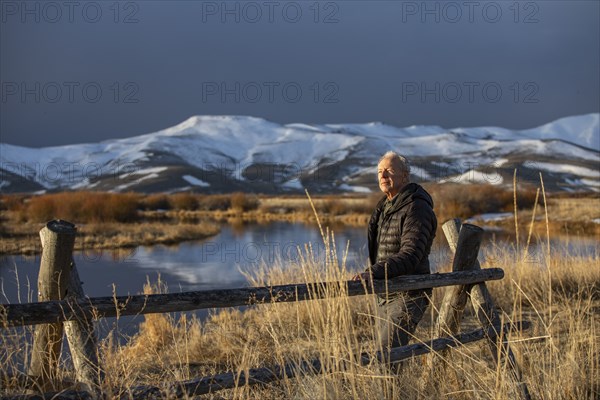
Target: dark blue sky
{"points": [[88, 71]]}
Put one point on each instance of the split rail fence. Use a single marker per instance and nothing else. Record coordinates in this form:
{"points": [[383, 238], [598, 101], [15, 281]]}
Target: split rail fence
{"points": [[62, 304]]}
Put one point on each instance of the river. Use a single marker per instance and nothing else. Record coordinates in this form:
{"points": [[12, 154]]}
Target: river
{"points": [[217, 262]]}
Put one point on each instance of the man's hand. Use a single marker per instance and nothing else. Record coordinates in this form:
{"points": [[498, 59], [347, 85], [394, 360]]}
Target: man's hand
{"points": [[363, 276]]}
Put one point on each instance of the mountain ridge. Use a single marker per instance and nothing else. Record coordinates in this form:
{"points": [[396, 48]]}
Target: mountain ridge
{"points": [[220, 154]]}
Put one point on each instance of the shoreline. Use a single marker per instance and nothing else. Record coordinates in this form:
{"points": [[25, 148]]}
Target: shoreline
{"points": [[174, 227], [113, 236], [567, 216]]}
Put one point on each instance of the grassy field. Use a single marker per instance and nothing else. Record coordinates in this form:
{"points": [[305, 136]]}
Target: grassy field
{"points": [[559, 292]]}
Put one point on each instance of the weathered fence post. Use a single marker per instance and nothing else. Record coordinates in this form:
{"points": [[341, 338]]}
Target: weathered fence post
{"points": [[485, 310], [465, 248], [58, 238], [465, 245], [83, 342]]}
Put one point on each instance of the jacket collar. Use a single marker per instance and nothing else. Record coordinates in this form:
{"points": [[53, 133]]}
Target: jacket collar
{"points": [[406, 195]]}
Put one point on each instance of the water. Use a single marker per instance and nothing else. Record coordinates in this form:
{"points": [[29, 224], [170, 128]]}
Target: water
{"points": [[217, 262], [199, 265]]}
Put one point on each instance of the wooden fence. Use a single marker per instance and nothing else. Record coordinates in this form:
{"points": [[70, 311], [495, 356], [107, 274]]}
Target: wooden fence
{"points": [[62, 304]]}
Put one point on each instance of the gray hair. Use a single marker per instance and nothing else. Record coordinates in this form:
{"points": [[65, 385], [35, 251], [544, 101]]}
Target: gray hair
{"points": [[402, 161]]}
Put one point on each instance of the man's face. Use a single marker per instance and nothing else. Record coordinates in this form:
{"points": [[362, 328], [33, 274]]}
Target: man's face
{"points": [[390, 176]]}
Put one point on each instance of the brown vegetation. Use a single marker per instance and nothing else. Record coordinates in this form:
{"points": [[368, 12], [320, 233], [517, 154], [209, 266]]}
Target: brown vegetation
{"points": [[158, 201], [22, 215], [462, 201], [559, 294], [104, 220], [183, 201], [115, 235], [558, 291], [79, 206], [243, 202]]}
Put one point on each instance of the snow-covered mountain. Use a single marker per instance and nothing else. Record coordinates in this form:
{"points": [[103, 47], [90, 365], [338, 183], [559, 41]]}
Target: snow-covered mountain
{"points": [[229, 153]]}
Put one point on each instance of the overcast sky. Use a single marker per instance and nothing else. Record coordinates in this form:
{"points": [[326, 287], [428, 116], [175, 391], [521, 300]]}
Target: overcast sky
{"points": [[75, 72]]}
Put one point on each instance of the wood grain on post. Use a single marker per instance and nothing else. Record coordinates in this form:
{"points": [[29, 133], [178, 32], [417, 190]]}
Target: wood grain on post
{"points": [[465, 246], [487, 315], [83, 342], [58, 238]]}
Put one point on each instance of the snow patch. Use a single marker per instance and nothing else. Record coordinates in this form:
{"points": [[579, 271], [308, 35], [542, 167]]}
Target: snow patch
{"points": [[565, 168], [419, 172], [293, 184], [192, 180], [135, 182], [145, 171], [473, 176], [489, 217], [590, 182], [357, 189]]}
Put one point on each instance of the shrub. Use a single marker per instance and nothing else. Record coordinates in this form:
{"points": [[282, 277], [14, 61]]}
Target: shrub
{"points": [[83, 207], [214, 202], [122, 208], [463, 201], [334, 207], [242, 202], [156, 202], [16, 204], [183, 201], [40, 209]]}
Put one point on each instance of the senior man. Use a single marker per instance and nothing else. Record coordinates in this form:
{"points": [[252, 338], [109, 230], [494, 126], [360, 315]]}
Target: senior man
{"points": [[400, 234]]}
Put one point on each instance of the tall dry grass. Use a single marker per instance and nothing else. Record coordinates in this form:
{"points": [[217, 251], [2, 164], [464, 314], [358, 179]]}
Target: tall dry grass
{"points": [[560, 358], [556, 289]]}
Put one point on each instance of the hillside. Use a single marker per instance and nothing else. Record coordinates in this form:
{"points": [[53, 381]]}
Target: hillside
{"points": [[221, 154]]}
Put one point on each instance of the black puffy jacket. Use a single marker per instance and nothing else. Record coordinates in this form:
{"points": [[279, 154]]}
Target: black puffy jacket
{"points": [[407, 231]]}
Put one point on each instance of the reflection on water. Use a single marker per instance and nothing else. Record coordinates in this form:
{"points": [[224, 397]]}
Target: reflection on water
{"points": [[209, 264], [216, 262]]}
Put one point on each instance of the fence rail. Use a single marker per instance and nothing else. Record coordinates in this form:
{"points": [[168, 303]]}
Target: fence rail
{"points": [[105, 307]]}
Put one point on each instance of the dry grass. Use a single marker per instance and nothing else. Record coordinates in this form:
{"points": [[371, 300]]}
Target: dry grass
{"points": [[463, 201], [114, 236], [22, 215], [558, 291], [582, 208], [560, 357], [569, 217], [562, 363], [104, 220]]}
